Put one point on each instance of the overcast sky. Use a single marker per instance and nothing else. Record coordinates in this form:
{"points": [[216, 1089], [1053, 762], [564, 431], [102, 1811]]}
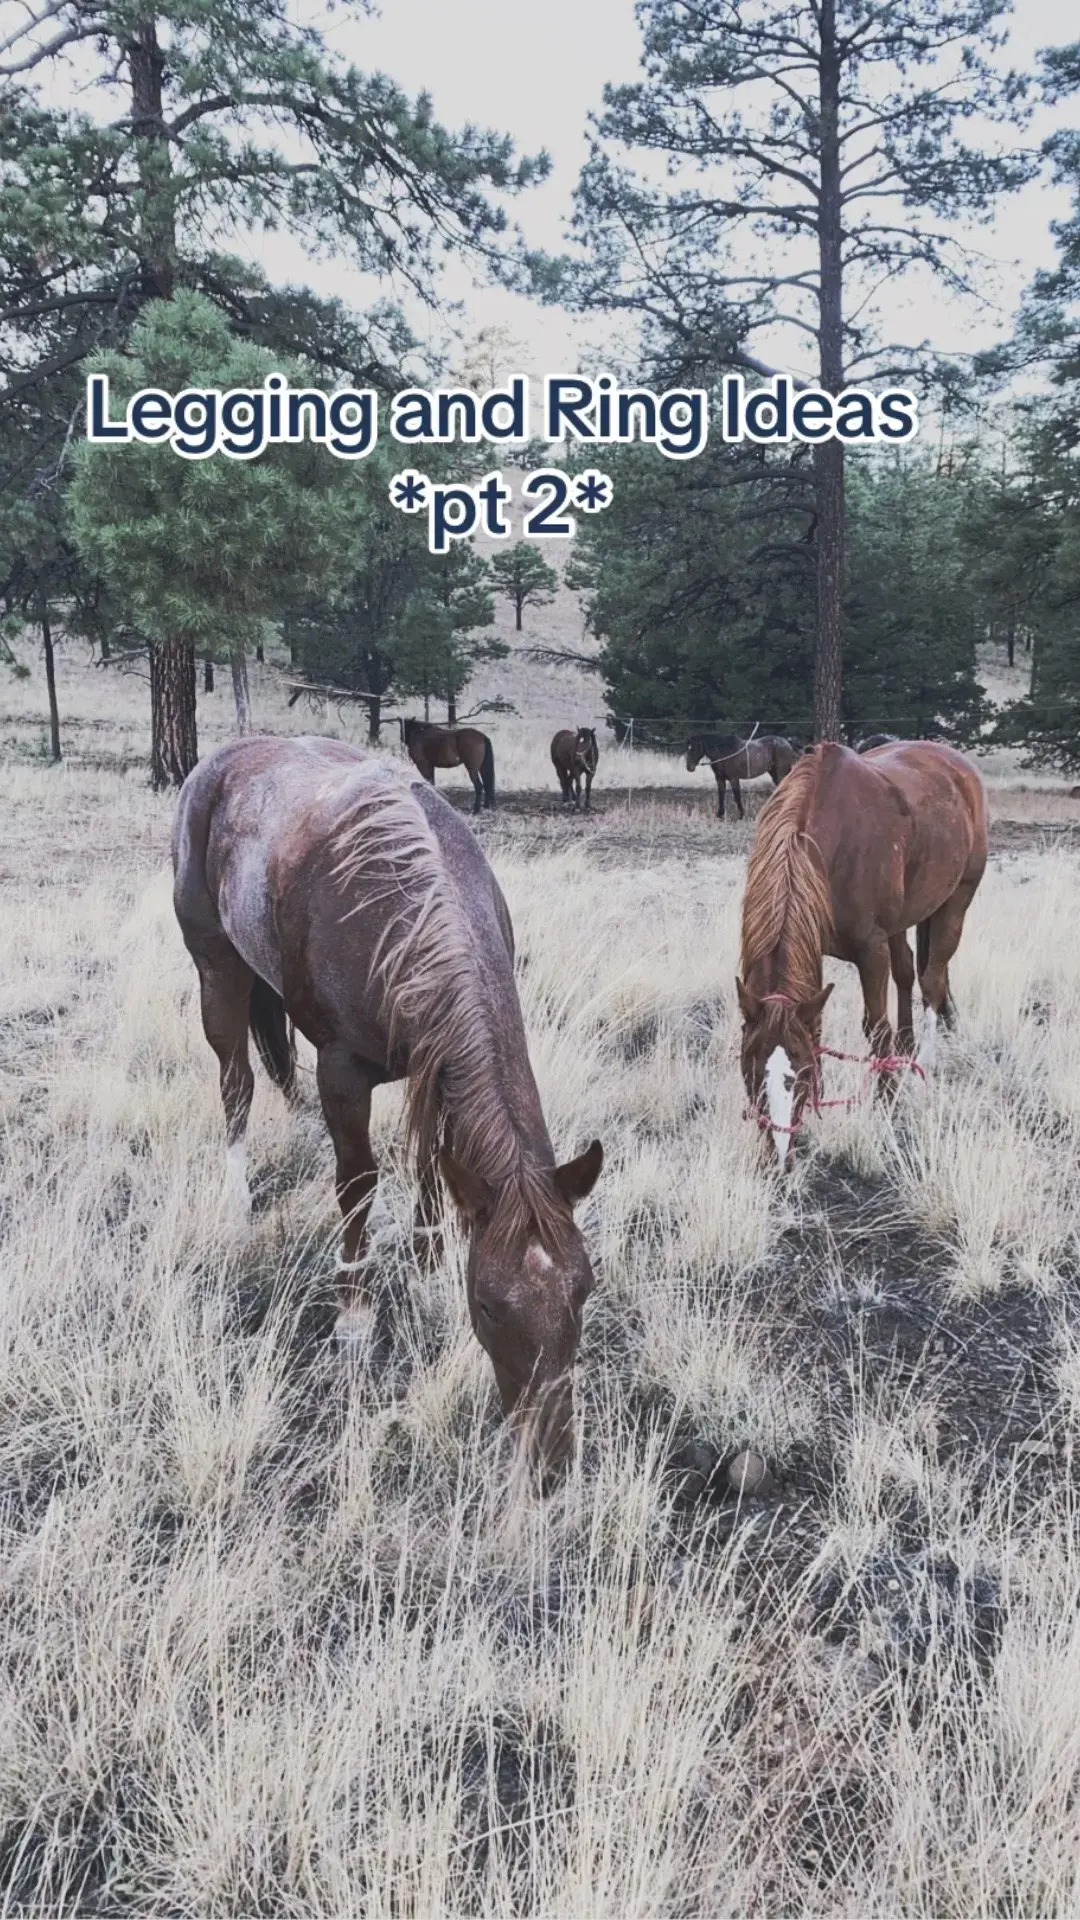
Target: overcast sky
{"points": [[535, 69]]}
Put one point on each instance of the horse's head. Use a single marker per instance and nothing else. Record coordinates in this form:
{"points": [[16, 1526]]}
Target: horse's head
{"points": [[780, 1040], [695, 752], [586, 751], [526, 1296]]}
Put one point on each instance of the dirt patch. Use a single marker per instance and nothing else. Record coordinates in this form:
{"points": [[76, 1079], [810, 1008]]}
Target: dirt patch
{"points": [[648, 824]]}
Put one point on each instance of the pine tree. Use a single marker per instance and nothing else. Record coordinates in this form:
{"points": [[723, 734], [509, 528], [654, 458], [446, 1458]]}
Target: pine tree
{"points": [[812, 152], [227, 117], [525, 577], [199, 552]]}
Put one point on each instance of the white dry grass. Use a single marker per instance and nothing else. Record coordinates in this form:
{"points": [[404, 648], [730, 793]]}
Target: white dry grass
{"points": [[275, 1644]]}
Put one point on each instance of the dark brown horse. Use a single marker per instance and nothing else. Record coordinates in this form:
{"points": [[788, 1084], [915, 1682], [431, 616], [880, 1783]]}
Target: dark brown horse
{"points": [[430, 746], [575, 757], [876, 740], [316, 885], [734, 759], [849, 853]]}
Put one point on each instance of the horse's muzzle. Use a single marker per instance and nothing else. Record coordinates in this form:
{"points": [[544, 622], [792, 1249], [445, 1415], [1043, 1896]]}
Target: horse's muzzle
{"points": [[546, 1428]]}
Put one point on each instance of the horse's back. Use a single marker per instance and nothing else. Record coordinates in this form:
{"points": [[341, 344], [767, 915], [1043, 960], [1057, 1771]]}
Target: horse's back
{"points": [[931, 775], [261, 830], [898, 829], [244, 807]]}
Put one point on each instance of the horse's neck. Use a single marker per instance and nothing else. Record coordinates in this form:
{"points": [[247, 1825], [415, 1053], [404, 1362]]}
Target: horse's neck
{"points": [[785, 969]]}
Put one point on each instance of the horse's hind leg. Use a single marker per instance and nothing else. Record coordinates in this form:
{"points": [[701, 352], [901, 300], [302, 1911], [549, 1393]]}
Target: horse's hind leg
{"points": [[873, 964], [903, 972], [225, 983], [478, 789], [345, 1093], [939, 938]]}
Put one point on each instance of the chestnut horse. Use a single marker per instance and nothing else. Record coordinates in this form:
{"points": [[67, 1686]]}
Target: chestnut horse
{"points": [[853, 850], [575, 757], [430, 746], [317, 885], [733, 759]]}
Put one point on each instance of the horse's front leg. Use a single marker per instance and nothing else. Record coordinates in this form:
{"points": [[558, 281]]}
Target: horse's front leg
{"points": [[737, 793], [345, 1093], [873, 964], [719, 796]]}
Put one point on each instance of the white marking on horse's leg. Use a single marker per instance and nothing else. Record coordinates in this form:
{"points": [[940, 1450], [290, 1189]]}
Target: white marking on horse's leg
{"points": [[236, 1181], [928, 1040], [780, 1099]]}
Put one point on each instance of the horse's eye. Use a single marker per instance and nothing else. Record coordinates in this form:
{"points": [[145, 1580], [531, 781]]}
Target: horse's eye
{"points": [[485, 1312]]}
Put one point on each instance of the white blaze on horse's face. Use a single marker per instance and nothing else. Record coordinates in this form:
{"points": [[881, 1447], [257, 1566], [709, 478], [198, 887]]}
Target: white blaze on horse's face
{"points": [[236, 1181], [780, 1099], [928, 1041]]}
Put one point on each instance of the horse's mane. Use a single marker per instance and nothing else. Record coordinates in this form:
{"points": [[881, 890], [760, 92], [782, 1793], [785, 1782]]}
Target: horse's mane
{"points": [[787, 893], [720, 745], [431, 970]]}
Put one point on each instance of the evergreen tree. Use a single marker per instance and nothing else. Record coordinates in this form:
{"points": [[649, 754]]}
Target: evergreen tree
{"points": [[1031, 543], [812, 153], [525, 577], [718, 632], [197, 550], [225, 117]]}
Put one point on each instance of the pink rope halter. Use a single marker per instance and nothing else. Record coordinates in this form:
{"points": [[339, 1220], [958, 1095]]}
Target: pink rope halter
{"points": [[877, 1063]]}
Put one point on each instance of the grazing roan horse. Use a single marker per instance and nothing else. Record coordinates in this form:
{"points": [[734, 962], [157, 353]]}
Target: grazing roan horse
{"points": [[848, 854], [876, 740], [734, 759], [316, 885], [430, 746], [575, 757]]}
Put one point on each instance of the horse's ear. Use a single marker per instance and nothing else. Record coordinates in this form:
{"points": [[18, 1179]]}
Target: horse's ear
{"points": [[469, 1192], [578, 1177], [749, 1004], [810, 1010]]}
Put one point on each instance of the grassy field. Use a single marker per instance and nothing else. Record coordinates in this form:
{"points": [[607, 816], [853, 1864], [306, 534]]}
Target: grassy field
{"points": [[275, 1643]]}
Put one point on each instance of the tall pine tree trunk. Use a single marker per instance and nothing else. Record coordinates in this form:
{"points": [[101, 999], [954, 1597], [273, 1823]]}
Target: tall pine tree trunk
{"points": [[829, 454], [208, 675], [157, 209], [374, 718], [517, 611], [241, 690], [174, 746], [451, 709], [50, 679]]}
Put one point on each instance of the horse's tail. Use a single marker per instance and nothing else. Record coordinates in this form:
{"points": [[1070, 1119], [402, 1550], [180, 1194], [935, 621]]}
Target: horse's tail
{"points": [[487, 772], [273, 1034]]}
